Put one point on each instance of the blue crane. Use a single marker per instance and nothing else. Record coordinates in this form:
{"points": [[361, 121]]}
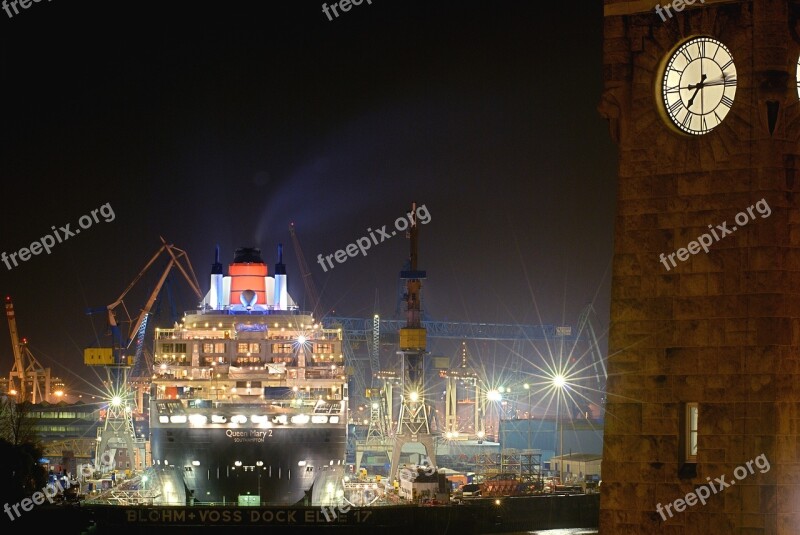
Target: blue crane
{"points": [[116, 356]]}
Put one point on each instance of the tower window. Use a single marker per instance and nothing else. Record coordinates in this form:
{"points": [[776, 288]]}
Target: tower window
{"points": [[690, 434]]}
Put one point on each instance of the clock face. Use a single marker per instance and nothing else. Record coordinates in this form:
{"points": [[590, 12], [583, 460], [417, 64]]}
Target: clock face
{"points": [[699, 85]]}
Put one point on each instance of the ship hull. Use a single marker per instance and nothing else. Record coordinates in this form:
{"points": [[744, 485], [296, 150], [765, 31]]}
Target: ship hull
{"points": [[277, 465]]}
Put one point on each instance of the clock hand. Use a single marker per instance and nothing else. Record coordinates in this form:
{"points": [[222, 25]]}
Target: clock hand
{"points": [[720, 81], [702, 75], [700, 85], [697, 87], [691, 100]]}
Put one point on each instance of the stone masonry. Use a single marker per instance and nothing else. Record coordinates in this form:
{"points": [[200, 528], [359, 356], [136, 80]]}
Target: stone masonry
{"points": [[722, 328]]}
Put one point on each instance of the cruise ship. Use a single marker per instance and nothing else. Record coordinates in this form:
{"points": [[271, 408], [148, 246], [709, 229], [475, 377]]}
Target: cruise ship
{"points": [[248, 403]]}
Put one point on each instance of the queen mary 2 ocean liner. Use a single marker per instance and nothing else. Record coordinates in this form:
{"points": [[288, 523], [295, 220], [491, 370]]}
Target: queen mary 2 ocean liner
{"points": [[249, 396]]}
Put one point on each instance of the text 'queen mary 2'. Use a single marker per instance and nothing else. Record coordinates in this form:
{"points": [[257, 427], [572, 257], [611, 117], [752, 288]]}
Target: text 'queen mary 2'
{"points": [[249, 396]]}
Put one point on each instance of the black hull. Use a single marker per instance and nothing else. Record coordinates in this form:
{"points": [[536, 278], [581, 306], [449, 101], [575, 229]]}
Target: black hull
{"points": [[279, 465]]}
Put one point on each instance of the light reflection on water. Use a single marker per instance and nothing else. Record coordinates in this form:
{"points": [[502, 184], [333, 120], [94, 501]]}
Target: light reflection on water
{"points": [[572, 531]]}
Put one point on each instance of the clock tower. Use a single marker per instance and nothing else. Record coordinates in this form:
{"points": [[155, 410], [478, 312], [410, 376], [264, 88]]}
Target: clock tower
{"points": [[702, 428]]}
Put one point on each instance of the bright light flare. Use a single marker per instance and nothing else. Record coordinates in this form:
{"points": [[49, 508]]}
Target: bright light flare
{"points": [[116, 401], [414, 396], [562, 376], [303, 340]]}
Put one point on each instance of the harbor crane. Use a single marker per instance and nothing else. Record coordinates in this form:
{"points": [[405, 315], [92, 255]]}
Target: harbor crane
{"points": [[28, 379], [117, 431], [413, 421], [137, 326]]}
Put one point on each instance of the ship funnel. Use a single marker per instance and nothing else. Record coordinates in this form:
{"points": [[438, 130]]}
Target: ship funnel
{"points": [[281, 292], [216, 267], [215, 296], [280, 268], [248, 272]]}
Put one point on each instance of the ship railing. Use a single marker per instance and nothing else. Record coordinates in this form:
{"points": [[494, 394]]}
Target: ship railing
{"points": [[332, 334], [177, 334], [332, 409], [171, 362], [319, 372], [165, 334], [292, 310]]}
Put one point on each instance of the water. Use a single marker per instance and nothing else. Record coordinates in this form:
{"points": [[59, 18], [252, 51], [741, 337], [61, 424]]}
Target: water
{"points": [[571, 531]]}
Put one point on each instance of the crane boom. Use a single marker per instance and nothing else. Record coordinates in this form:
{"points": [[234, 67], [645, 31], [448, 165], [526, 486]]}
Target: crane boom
{"points": [[26, 368], [375, 350], [119, 345], [305, 273], [18, 364], [174, 262]]}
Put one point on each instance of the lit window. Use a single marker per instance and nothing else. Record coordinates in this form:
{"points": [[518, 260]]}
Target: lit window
{"points": [[692, 413], [323, 348]]}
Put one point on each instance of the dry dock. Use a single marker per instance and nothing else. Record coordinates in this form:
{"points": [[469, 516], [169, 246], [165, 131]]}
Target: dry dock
{"points": [[478, 517]]}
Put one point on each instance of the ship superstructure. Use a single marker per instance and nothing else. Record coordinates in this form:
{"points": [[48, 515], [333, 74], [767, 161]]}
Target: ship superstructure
{"points": [[249, 396]]}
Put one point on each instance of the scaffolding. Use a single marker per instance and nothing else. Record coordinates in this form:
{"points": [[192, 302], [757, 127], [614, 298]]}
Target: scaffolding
{"points": [[132, 491], [523, 465]]}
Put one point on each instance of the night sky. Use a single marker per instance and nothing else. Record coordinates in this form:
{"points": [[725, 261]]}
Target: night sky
{"points": [[221, 123]]}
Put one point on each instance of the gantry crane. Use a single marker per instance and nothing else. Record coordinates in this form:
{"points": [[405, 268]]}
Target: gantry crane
{"points": [[117, 430], [29, 379], [413, 422]]}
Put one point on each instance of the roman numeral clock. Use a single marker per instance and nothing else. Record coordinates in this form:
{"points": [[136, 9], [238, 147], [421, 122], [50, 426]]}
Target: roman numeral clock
{"points": [[703, 357], [697, 85]]}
